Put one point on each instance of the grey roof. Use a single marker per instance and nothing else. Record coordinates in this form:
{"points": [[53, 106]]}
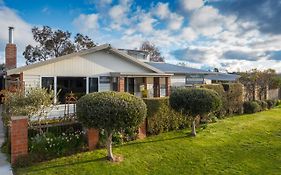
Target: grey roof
{"points": [[84, 52], [222, 77], [176, 69]]}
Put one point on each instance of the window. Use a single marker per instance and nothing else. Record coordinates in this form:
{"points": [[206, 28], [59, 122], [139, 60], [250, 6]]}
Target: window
{"points": [[93, 85], [104, 79], [48, 83]]}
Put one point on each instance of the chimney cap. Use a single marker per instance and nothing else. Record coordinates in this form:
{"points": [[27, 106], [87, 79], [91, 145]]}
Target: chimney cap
{"points": [[11, 27]]}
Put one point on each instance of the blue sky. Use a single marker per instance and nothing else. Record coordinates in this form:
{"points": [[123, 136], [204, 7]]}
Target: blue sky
{"points": [[232, 35]]}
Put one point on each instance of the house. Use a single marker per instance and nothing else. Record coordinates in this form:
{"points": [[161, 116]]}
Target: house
{"points": [[104, 68], [101, 68], [187, 76]]}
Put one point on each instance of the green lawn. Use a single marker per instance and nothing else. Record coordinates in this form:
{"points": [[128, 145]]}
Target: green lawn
{"points": [[247, 144]]}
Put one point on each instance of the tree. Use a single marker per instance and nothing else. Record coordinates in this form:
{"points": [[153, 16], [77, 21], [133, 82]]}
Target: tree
{"points": [[54, 43], [195, 102], [111, 112], [262, 80], [153, 51]]}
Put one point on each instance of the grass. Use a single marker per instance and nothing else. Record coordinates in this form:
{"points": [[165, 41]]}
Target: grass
{"points": [[246, 144]]}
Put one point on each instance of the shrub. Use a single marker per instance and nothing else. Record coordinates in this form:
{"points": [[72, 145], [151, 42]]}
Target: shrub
{"points": [[194, 103], [222, 111], [271, 103], [111, 112], [51, 145], [30, 103], [263, 104], [161, 117], [278, 103], [232, 98], [251, 107]]}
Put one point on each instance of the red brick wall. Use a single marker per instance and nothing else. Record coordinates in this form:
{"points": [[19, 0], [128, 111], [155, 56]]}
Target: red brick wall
{"points": [[11, 56], [93, 138], [121, 84], [168, 85], [19, 137]]}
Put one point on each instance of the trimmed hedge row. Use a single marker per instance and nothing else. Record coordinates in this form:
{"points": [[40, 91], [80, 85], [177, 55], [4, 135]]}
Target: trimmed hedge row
{"points": [[161, 118], [232, 98], [259, 105]]}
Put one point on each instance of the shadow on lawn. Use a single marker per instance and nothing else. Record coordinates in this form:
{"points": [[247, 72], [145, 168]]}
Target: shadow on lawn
{"points": [[70, 163], [153, 141]]}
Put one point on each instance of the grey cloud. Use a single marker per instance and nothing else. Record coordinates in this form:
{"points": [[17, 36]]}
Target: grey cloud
{"points": [[266, 13], [191, 55], [240, 55]]}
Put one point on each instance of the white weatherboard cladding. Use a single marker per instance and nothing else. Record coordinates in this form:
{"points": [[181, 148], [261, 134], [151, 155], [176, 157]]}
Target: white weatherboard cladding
{"points": [[178, 80], [31, 81], [98, 63]]}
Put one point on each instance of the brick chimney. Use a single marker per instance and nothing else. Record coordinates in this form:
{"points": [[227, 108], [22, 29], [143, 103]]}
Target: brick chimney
{"points": [[11, 51]]}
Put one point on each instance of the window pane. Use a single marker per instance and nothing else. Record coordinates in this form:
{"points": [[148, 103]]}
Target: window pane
{"points": [[48, 83], [104, 79], [93, 85]]}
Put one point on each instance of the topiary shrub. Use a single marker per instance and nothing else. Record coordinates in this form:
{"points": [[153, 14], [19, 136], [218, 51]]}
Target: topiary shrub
{"points": [[161, 117], [251, 107], [195, 102], [271, 103], [111, 112], [222, 111]]}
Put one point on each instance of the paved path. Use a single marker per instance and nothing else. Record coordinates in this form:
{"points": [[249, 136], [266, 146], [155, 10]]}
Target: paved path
{"points": [[5, 166]]}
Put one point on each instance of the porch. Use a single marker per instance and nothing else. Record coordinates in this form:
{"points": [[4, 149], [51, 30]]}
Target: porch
{"points": [[141, 85]]}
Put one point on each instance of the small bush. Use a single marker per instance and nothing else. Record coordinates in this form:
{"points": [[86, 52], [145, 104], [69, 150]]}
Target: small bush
{"points": [[112, 112], [263, 104], [251, 107], [278, 103], [194, 103], [271, 103], [51, 145]]}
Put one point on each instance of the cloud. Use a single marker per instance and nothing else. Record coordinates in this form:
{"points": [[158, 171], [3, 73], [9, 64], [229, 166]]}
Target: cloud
{"points": [[240, 55], [174, 21], [146, 24], [194, 55], [266, 14], [189, 34], [208, 21], [190, 5], [87, 23], [22, 32], [162, 10]]}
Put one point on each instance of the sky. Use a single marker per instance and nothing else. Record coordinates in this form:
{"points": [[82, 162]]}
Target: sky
{"points": [[231, 35]]}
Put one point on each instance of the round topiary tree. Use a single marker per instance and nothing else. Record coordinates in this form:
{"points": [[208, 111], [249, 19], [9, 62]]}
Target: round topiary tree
{"points": [[112, 112], [195, 102]]}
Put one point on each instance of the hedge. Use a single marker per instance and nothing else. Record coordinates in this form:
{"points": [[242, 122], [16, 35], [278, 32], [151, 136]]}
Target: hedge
{"points": [[161, 118], [251, 107], [232, 98]]}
